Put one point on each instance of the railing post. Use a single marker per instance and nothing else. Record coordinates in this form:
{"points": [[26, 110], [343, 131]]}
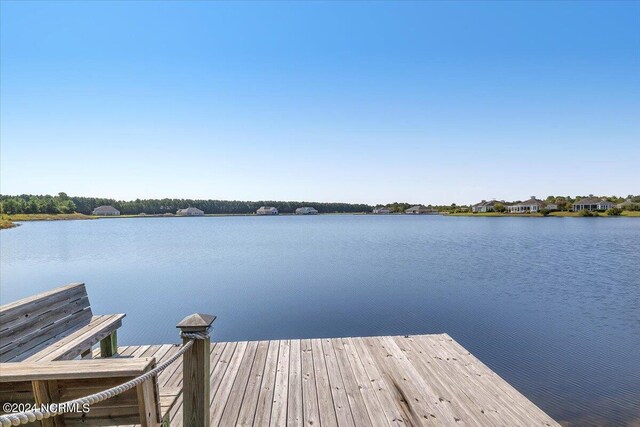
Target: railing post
{"points": [[195, 369]]}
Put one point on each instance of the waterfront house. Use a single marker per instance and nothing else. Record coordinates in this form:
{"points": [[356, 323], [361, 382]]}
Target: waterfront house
{"points": [[382, 210], [528, 206], [267, 210], [190, 212], [551, 206], [307, 210], [485, 206], [592, 203], [106, 211], [420, 210]]}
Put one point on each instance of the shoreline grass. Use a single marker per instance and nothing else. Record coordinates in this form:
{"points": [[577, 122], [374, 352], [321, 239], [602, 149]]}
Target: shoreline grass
{"points": [[44, 217], [6, 223]]}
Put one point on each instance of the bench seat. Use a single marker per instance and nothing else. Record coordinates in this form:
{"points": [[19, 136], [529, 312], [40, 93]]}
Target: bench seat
{"points": [[54, 325], [65, 347]]}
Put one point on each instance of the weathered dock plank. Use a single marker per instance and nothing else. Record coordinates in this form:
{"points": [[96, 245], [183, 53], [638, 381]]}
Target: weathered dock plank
{"points": [[310, 410], [294, 400], [421, 380], [344, 414], [363, 384], [280, 392], [265, 397], [325, 399], [251, 394], [232, 408], [223, 394]]}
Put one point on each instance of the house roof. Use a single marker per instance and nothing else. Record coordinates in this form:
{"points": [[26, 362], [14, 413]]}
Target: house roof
{"points": [[532, 201], [420, 208], [591, 201], [489, 203], [190, 210], [106, 208]]}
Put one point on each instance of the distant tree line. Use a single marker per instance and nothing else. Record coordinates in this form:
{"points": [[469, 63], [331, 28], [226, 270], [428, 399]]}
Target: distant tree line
{"points": [[30, 204], [62, 203]]}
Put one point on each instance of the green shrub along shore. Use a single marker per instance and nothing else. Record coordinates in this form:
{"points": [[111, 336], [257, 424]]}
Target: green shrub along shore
{"points": [[27, 207]]}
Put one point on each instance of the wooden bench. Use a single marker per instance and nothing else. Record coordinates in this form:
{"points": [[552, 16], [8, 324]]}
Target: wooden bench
{"points": [[55, 325], [61, 381]]}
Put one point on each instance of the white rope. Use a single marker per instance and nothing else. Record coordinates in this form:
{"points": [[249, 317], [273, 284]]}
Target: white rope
{"points": [[39, 414], [195, 335]]}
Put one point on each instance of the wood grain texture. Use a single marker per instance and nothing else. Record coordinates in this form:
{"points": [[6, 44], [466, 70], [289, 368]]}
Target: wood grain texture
{"points": [[77, 369], [421, 380], [195, 371]]}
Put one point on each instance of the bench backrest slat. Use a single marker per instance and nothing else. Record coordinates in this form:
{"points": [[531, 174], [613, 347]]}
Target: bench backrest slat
{"points": [[27, 323]]}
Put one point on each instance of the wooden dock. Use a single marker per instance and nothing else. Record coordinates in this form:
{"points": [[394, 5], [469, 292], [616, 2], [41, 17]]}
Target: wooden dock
{"points": [[423, 380], [428, 380]]}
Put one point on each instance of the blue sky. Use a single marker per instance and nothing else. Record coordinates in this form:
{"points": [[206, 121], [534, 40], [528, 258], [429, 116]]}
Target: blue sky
{"points": [[364, 102]]}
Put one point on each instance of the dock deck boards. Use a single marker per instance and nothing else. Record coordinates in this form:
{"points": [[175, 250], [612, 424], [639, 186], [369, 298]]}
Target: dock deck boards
{"points": [[421, 380]]}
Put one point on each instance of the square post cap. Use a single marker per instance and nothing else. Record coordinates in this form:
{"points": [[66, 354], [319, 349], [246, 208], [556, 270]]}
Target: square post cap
{"points": [[196, 322]]}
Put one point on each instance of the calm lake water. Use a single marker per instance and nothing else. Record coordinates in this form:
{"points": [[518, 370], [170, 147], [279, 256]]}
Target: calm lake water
{"points": [[551, 304]]}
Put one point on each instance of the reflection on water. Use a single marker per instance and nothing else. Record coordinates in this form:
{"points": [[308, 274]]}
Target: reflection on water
{"points": [[550, 304]]}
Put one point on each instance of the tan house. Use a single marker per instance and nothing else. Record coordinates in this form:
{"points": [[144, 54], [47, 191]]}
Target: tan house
{"points": [[190, 212], [528, 206], [106, 211], [267, 210]]}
